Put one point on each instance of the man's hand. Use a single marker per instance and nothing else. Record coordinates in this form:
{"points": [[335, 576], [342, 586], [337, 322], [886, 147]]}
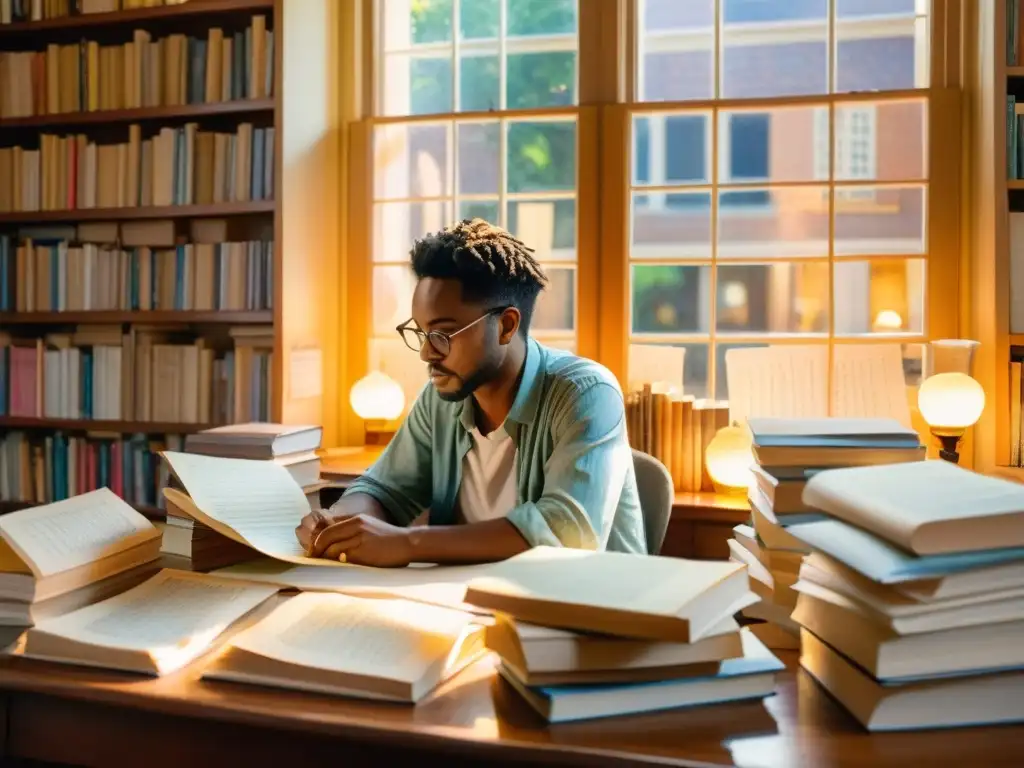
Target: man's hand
{"points": [[311, 525], [363, 540]]}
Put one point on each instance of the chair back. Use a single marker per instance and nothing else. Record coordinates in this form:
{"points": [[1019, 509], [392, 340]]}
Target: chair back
{"points": [[657, 492]]}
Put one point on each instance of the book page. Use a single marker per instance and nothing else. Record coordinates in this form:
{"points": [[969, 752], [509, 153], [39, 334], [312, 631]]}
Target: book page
{"points": [[610, 580], [256, 503], [174, 616], [784, 381], [443, 585], [392, 639], [74, 532], [868, 382]]}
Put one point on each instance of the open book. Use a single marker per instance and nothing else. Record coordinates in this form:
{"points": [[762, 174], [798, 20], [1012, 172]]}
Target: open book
{"points": [[349, 646], [53, 549], [155, 628], [645, 597], [928, 507], [256, 503]]}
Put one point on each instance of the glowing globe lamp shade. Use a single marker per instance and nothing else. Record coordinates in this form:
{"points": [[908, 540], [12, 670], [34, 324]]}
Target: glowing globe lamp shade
{"points": [[728, 458], [951, 401], [377, 399]]}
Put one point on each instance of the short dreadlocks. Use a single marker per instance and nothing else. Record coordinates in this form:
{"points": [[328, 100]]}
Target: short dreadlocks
{"points": [[493, 267]]}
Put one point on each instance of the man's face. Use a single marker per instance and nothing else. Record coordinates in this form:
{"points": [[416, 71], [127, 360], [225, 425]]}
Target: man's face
{"points": [[474, 355]]}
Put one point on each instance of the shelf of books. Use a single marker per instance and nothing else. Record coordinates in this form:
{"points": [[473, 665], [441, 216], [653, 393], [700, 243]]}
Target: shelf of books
{"points": [[139, 256]]}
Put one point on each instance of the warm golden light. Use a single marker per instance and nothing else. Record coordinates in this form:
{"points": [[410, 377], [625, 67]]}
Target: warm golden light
{"points": [[377, 397], [728, 458], [951, 401], [888, 320]]}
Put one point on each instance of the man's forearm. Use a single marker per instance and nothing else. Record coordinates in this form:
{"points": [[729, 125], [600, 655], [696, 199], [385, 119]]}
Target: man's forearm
{"points": [[359, 504], [485, 542]]}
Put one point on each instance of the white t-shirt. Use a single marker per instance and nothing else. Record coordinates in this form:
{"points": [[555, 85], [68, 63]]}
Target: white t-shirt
{"points": [[488, 489]]}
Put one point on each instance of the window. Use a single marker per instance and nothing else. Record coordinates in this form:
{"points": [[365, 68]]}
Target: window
{"points": [[812, 228], [778, 183], [475, 104]]}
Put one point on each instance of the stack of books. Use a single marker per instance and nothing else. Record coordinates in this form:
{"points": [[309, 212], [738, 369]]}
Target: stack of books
{"points": [[585, 634], [911, 605], [60, 556], [190, 544], [787, 453]]}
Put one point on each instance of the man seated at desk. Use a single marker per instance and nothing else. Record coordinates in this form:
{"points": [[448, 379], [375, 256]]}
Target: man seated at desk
{"points": [[512, 445]]}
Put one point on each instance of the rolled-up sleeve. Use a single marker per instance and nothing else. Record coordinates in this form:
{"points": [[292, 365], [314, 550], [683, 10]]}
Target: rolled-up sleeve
{"points": [[584, 475], [401, 479]]}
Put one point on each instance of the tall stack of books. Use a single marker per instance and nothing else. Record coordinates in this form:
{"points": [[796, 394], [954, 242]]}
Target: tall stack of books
{"points": [[788, 452], [190, 544], [911, 605], [597, 634]]}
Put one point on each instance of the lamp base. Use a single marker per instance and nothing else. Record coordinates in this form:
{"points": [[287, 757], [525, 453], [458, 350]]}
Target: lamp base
{"points": [[378, 433], [949, 440], [730, 490]]}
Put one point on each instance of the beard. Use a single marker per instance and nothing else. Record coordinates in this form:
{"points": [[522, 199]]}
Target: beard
{"points": [[484, 374]]}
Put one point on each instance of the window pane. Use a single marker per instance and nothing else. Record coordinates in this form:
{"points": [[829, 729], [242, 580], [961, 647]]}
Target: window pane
{"points": [[403, 25], [556, 305], [762, 223], [392, 298], [880, 45], [884, 141], [673, 225], [879, 220], [672, 148], [882, 296], [541, 17], [479, 19], [479, 158], [488, 210], [792, 60], [541, 156], [773, 298], [538, 80], [671, 299], [479, 82], [695, 368], [412, 161], [547, 226], [397, 225], [675, 50], [770, 145]]}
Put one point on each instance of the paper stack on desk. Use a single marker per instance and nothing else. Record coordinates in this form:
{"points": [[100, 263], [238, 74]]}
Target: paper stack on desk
{"points": [[585, 634], [788, 452], [912, 603], [59, 556]]}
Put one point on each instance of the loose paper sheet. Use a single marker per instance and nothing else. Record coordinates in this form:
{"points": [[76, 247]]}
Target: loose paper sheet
{"points": [[71, 533], [175, 616], [256, 503], [433, 584], [657, 364], [391, 639], [790, 381]]}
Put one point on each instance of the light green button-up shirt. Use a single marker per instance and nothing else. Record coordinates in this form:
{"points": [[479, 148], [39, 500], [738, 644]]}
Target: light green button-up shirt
{"points": [[574, 468]]}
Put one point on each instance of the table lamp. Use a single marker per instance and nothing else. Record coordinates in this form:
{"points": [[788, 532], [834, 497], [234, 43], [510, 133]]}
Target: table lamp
{"points": [[950, 403], [379, 401], [728, 459]]}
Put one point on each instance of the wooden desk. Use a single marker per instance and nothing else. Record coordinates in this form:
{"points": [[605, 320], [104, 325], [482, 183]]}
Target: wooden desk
{"points": [[93, 718], [701, 523]]}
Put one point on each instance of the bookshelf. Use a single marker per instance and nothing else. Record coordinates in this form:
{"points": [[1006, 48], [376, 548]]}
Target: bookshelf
{"points": [[238, 277]]}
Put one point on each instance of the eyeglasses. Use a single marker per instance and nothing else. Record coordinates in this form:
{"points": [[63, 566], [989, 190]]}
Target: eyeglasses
{"points": [[415, 337]]}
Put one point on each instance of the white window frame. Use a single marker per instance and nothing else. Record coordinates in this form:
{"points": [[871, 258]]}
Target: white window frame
{"points": [[846, 153]]}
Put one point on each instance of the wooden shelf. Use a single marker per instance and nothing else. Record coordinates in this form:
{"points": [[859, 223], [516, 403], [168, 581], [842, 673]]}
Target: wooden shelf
{"points": [[153, 513], [86, 425], [1015, 184], [148, 212], [193, 9], [154, 317], [1015, 71], [144, 114]]}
